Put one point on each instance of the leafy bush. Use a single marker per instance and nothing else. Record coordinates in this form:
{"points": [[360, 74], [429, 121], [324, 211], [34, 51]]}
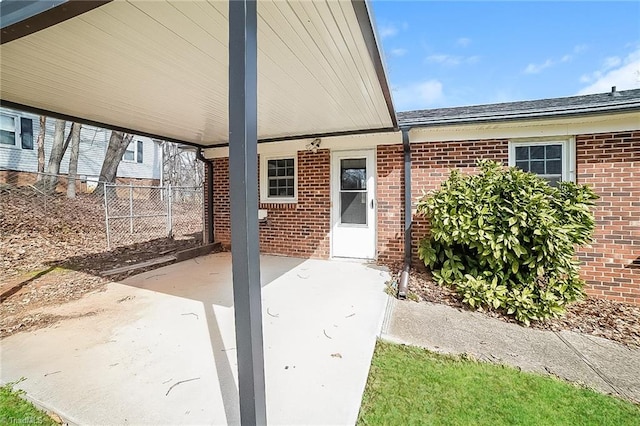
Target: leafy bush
{"points": [[505, 240]]}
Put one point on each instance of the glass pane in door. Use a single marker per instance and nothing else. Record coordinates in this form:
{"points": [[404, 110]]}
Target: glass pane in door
{"points": [[353, 174], [353, 191], [353, 208]]}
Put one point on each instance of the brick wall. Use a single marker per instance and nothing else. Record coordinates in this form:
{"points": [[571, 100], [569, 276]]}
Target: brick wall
{"points": [[610, 164], [431, 163], [295, 229]]}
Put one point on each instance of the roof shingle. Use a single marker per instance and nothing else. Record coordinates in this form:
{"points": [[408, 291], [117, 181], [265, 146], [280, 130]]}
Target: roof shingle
{"points": [[627, 100]]}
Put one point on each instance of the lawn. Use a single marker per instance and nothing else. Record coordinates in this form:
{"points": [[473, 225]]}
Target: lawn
{"points": [[412, 386], [15, 410]]}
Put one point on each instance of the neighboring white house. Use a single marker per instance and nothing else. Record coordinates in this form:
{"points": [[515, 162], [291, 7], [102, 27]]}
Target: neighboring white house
{"points": [[19, 152]]}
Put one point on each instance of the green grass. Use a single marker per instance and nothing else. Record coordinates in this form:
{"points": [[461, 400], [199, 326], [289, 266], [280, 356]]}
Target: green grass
{"points": [[412, 386], [15, 410]]}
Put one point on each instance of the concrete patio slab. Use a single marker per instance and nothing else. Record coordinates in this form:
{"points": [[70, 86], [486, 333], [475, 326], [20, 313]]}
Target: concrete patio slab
{"points": [[596, 362], [159, 348]]}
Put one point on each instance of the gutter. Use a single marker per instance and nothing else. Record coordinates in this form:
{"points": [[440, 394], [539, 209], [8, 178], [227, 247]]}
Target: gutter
{"points": [[404, 278], [209, 164]]}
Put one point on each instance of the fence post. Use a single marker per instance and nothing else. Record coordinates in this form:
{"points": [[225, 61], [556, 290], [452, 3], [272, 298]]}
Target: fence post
{"points": [[130, 208], [106, 214], [169, 212]]}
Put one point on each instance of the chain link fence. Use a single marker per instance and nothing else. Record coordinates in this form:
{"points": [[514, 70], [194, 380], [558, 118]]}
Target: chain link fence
{"points": [[123, 215], [135, 213]]}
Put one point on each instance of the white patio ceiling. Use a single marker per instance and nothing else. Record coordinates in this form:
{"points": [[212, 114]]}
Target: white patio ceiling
{"points": [[161, 68]]}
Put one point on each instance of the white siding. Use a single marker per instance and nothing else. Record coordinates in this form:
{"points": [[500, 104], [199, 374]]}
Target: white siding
{"points": [[93, 145]]}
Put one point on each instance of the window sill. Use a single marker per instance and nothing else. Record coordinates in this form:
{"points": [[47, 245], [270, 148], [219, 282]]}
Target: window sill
{"points": [[14, 147], [278, 205]]}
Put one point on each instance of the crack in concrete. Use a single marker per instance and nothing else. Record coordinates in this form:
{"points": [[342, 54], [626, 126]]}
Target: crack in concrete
{"points": [[595, 369]]}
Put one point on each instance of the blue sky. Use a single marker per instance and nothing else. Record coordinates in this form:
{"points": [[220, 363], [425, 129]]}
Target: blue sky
{"points": [[454, 53]]}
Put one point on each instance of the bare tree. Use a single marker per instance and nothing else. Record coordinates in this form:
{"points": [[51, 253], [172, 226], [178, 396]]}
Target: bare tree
{"points": [[180, 166], [73, 159], [118, 143], [40, 142], [50, 181]]}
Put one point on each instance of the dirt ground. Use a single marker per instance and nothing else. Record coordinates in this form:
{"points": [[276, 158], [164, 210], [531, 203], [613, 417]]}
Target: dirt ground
{"points": [[611, 320], [49, 257]]}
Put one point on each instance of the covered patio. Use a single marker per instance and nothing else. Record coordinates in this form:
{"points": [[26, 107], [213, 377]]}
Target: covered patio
{"points": [[159, 347], [205, 73]]}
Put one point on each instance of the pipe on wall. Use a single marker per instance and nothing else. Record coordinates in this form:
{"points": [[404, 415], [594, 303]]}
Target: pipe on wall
{"points": [[404, 278], [209, 164]]}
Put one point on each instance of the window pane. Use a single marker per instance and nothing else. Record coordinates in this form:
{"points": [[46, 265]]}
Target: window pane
{"points": [[554, 167], [553, 181], [281, 174], [353, 207], [522, 153], [353, 174], [128, 155], [7, 138], [537, 167], [524, 165], [537, 152], [7, 123], [554, 151]]}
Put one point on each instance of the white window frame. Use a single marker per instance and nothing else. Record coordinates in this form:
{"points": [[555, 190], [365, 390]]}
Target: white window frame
{"points": [[135, 152], [264, 179], [17, 141], [568, 153]]}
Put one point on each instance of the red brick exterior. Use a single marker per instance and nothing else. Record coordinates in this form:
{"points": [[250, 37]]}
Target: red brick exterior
{"points": [[292, 229], [390, 198], [610, 163]]}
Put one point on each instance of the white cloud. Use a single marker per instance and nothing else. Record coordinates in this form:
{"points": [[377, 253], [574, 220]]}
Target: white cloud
{"points": [[388, 30], [581, 48], [419, 95], [536, 68], [452, 60], [533, 68], [611, 62], [444, 59], [398, 52], [463, 41], [625, 75]]}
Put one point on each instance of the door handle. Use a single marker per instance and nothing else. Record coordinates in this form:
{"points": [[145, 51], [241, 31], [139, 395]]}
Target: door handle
{"points": [[372, 203]]}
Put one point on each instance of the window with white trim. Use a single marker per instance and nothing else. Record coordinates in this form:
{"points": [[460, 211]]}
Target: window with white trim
{"points": [[278, 180], [552, 160], [15, 131], [134, 151]]}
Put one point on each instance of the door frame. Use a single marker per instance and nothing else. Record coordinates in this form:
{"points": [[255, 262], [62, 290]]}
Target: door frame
{"points": [[334, 193]]}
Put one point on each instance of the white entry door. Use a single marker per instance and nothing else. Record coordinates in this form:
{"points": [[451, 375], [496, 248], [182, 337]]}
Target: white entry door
{"points": [[353, 204]]}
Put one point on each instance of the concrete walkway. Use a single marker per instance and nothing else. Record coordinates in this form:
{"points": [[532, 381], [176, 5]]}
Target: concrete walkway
{"points": [[159, 348], [598, 363]]}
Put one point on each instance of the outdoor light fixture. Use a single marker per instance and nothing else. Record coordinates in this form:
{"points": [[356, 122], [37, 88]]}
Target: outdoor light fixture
{"points": [[314, 145]]}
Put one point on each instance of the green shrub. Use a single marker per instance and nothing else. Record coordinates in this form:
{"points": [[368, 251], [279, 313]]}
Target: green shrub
{"points": [[505, 240]]}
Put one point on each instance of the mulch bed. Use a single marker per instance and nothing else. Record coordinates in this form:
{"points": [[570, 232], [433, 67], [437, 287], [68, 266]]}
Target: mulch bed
{"points": [[603, 318]]}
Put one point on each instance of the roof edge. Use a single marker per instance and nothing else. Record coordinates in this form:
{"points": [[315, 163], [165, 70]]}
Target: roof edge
{"points": [[598, 109], [34, 17], [367, 27]]}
